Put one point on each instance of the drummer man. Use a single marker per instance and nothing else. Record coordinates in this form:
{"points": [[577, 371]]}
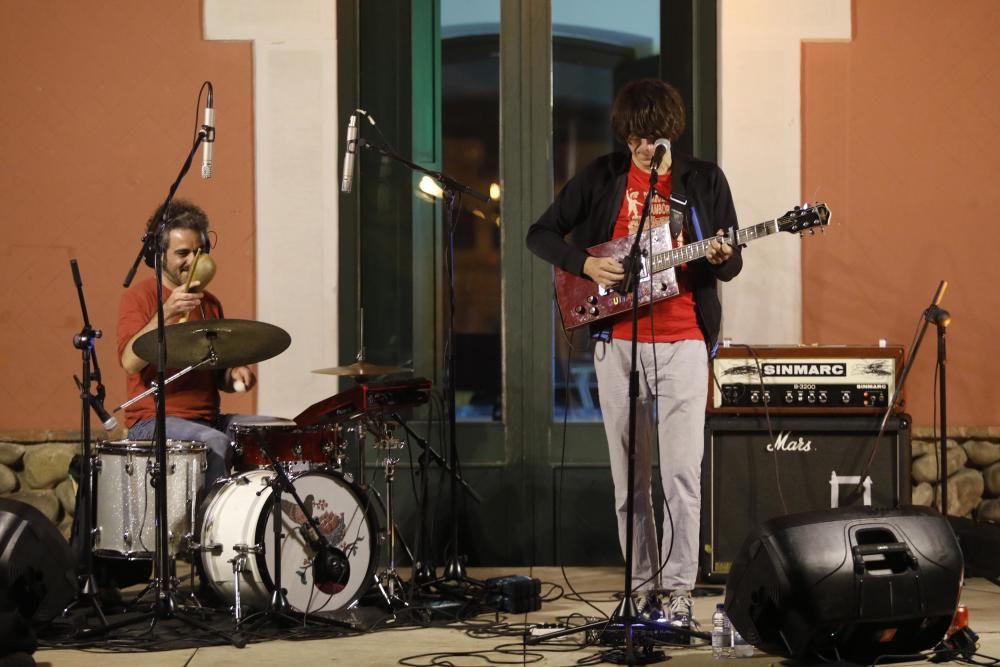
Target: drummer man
{"points": [[193, 399]]}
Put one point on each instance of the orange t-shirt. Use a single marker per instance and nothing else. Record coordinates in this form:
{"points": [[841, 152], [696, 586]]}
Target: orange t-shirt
{"points": [[192, 396], [674, 318]]}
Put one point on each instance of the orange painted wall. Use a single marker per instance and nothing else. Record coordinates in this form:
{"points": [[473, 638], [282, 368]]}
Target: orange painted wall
{"points": [[98, 110], [901, 136]]}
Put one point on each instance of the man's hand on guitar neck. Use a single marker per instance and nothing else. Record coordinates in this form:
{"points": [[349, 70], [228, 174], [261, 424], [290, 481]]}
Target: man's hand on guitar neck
{"points": [[604, 271], [719, 249]]}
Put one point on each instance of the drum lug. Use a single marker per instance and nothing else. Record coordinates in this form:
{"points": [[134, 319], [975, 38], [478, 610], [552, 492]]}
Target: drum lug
{"points": [[129, 468], [348, 477], [127, 538], [96, 465], [242, 480]]}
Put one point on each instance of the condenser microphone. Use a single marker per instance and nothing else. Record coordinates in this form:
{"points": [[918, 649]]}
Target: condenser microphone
{"points": [[209, 129], [662, 148], [350, 153]]}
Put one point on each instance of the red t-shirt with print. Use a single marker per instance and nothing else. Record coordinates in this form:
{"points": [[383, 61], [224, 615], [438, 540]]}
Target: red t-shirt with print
{"points": [[671, 319], [192, 396]]}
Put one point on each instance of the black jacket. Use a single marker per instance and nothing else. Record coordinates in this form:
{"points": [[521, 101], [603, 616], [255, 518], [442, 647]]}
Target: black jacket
{"points": [[584, 212]]}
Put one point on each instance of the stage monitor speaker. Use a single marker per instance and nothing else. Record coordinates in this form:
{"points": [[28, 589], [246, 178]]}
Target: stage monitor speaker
{"points": [[814, 462], [847, 584], [37, 570]]}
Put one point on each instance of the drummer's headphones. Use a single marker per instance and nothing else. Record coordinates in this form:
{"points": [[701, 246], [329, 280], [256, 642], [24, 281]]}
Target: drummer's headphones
{"points": [[186, 209]]}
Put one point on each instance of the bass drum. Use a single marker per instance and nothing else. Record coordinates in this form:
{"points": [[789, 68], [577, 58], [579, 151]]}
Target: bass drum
{"points": [[238, 511]]}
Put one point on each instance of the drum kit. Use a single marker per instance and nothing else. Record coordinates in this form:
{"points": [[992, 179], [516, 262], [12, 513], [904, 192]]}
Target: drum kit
{"points": [[290, 530]]}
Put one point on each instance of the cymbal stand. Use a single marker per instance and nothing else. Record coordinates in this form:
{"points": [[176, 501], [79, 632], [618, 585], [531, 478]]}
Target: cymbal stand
{"points": [[387, 581], [91, 372]]}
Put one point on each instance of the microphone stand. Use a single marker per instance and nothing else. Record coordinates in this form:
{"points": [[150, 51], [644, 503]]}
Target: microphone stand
{"points": [[626, 613], [424, 570], [87, 592], [165, 606], [940, 318], [278, 608], [455, 568]]}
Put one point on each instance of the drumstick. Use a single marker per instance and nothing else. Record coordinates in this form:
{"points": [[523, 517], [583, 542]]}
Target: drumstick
{"points": [[187, 285]]}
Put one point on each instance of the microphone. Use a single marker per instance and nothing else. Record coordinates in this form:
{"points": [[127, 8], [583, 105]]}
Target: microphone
{"points": [[662, 148], [350, 153], [331, 570], [109, 422], [209, 129]]}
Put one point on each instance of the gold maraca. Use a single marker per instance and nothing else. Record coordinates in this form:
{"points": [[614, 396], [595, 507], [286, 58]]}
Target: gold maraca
{"points": [[202, 270]]}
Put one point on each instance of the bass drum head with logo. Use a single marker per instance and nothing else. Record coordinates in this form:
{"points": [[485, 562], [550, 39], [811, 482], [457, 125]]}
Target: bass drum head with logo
{"points": [[236, 515]]}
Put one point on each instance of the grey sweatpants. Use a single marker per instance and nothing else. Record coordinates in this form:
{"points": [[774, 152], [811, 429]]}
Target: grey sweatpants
{"points": [[673, 389]]}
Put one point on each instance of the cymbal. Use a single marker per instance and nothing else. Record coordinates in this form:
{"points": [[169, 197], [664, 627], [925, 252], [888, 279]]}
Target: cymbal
{"points": [[234, 342], [362, 368]]}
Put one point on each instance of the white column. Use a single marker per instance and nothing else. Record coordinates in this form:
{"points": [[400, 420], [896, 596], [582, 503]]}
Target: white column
{"points": [[296, 139], [760, 131]]}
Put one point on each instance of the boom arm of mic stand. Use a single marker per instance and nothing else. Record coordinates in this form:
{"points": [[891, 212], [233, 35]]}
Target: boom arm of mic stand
{"points": [[446, 180], [437, 458], [286, 485]]}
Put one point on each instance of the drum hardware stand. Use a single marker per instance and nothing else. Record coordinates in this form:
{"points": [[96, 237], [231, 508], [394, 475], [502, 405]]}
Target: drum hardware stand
{"points": [[452, 191], [165, 605], [240, 563], [388, 582], [87, 591]]}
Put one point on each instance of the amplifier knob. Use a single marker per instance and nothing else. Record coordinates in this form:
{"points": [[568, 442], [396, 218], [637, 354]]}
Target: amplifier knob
{"points": [[592, 299], [789, 396], [579, 310], [594, 311], [755, 396], [845, 396], [822, 396], [811, 397]]}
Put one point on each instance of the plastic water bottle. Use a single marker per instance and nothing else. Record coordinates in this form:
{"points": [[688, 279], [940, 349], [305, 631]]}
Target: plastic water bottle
{"points": [[741, 649], [721, 634]]}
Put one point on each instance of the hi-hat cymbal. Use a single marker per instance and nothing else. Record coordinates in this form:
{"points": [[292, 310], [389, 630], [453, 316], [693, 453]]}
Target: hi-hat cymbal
{"points": [[362, 368], [233, 342]]}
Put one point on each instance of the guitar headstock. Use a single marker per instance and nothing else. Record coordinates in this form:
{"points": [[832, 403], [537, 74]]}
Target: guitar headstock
{"points": [[804, 217]]}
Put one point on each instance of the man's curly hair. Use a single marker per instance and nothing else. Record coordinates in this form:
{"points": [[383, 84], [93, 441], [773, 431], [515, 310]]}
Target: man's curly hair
{"points": [[648, 108]]}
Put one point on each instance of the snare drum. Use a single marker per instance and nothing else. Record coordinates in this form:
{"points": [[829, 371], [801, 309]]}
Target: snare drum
{"points": [[238, 511], [298, 449], [126, 506]]}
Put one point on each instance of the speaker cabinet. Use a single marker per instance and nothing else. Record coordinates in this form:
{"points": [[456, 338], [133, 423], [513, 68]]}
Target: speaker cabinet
{"points": [[847, 584], [754, 471]]}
